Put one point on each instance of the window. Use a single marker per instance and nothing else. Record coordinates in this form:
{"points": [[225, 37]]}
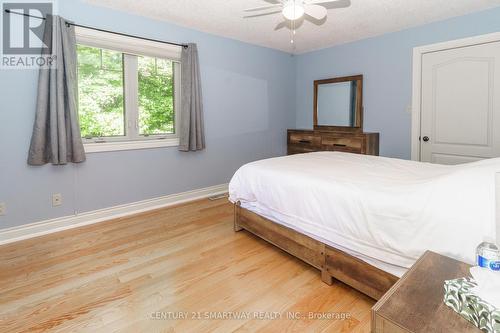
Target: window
{"points": [[128, 91], [101, 102], [156, 96]]}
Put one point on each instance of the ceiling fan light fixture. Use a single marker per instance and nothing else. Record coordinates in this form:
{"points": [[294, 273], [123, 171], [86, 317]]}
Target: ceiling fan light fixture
{"points": [[293, 10]]}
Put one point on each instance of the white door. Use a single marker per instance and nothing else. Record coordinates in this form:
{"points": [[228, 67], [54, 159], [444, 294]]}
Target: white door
{"points": [[460, 117]]}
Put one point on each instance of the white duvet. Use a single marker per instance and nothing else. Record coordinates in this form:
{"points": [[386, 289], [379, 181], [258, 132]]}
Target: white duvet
{"points": [[383, 210]]}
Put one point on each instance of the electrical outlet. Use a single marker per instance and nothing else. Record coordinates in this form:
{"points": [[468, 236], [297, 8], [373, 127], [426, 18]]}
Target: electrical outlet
{"points": [[56, 199], [3, 208]]}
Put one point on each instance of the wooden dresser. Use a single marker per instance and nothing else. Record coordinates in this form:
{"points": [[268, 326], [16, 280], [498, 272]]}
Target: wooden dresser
{"points": [[305, 141]]}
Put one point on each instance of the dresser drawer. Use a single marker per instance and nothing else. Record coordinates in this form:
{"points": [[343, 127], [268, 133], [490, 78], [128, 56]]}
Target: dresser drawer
{"points": [[349, 144], [300, 149], [308, 139]]}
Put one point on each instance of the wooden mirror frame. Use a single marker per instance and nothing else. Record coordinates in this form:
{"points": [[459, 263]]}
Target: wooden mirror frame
{"points": [[358, 126]]}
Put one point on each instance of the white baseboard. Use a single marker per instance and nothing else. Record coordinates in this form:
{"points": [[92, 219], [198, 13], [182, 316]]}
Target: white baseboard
{"points": [[73, 221]]}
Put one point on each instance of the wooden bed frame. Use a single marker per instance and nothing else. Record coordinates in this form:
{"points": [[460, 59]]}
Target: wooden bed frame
{"points": [[332, 263]]}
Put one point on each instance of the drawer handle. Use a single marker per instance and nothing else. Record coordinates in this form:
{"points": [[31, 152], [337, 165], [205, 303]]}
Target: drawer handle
{"points": [[339, 145], [305, 141]]}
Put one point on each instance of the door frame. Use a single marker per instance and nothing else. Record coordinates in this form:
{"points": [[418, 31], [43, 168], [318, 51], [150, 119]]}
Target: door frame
{"points": [[416, 103]]}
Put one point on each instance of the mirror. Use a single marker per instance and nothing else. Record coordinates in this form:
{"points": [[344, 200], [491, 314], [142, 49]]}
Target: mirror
{"points": [[338, 103]]}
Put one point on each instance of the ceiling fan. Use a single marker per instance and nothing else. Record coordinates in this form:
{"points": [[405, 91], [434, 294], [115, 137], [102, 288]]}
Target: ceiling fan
{"points": [[296, 11]]}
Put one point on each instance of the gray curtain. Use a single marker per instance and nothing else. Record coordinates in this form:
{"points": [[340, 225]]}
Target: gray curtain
{"points": [[56, 135], [192, 134]]}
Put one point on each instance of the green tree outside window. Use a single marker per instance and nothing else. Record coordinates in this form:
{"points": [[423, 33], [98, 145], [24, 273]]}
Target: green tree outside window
{"points": [[101, 89]]}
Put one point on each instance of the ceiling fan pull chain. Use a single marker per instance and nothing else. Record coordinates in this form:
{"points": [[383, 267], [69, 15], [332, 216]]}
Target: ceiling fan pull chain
{"points": [[293, 21]]}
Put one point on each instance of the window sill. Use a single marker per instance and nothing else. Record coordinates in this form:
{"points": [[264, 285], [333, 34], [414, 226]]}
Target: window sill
{"points": [[129, 145]]}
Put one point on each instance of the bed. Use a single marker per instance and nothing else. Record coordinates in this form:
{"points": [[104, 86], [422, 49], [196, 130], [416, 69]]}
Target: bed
{"points": [[365, 219]]}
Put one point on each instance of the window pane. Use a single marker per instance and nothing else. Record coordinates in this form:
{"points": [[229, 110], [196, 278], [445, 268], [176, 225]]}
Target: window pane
{"points": [[100, 92], [156, 96]]}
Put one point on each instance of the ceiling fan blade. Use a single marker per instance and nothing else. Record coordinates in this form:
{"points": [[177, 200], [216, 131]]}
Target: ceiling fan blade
{"points": [[288, 24], [331, 4], [315, 21], [262, 8], [317, 2], [281, 25], [263, 14], [316, 11]]}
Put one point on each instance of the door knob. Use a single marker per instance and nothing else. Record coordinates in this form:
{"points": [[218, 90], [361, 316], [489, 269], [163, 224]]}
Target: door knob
{"points": [[425, 138]]}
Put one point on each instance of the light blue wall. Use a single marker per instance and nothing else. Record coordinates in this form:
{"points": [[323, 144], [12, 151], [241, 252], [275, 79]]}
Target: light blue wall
{"points": [[386, 63], [248, 97]]}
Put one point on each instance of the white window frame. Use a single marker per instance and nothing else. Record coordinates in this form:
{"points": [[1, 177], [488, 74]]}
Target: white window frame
{"points": [[130, 46]]}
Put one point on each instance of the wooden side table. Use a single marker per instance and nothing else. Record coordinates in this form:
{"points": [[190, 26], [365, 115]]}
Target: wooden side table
{"points": [[415, 302]]}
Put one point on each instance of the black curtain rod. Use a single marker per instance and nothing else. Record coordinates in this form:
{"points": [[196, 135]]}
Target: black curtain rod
{"points": [[102, 30]]}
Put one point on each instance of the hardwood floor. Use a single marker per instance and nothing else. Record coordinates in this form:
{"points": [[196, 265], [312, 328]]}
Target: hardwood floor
{"points": [[144, 273]]}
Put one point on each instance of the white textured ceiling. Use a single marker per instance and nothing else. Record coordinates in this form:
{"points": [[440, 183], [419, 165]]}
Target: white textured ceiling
{"points": [[362, 19]]}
